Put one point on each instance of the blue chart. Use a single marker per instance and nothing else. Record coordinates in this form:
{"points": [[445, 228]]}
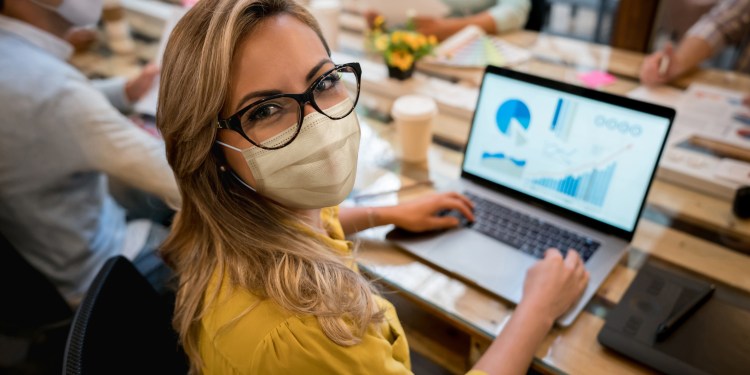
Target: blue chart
{"points": [[512, 111], [589, 187], [561, 121], [502, 163]]}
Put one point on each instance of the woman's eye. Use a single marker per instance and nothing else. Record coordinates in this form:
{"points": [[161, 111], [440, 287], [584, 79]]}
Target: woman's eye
{"points": [[264, 112], [328, 82]]}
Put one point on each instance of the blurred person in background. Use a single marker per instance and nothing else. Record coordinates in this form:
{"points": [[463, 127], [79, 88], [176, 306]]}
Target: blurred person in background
{"points": [[61, 139]]}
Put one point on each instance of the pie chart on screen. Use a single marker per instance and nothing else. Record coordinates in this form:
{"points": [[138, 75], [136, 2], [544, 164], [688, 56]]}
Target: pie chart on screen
{"points": [[512, 111]]}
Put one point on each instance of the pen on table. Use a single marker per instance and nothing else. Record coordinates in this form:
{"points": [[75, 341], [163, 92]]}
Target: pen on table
{"points": [[663, 65], [666, 327]]}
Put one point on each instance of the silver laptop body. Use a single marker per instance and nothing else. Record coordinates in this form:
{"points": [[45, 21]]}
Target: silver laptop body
{"points": [[602, 215]]}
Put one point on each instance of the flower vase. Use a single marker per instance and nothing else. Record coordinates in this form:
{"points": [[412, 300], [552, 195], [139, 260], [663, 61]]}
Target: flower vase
{"points": [[401, 75]]}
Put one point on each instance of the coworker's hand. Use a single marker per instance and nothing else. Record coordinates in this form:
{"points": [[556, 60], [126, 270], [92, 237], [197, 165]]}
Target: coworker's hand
{"points": [[420, 214], [650, 74], [553, 284], [442, 28], [746, 101], [81, 38], [139, 86]]}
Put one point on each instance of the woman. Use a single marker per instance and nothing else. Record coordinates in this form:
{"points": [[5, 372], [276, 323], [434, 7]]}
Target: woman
{"points": [[267, 281]]}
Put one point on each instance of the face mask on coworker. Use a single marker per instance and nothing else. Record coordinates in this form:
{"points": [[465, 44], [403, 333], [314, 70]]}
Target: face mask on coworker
{"points": [[77, 12], [316, 170]]}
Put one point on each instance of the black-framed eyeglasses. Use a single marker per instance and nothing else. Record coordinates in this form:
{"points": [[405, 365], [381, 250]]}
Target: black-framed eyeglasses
{"points": [[274, 122]]}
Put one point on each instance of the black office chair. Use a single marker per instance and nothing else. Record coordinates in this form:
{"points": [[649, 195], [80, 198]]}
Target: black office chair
{"points": [[537, 15], [34, 317], [123, 326]]}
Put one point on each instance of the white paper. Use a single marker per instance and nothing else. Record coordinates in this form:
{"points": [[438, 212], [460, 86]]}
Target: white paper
{"points": [[471, 47], [397, 12], [733, 170], [661, 95], [712, 112], [147, 104]]}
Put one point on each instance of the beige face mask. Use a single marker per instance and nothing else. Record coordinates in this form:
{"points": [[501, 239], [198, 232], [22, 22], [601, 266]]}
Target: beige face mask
{"points": [[316, 170]]}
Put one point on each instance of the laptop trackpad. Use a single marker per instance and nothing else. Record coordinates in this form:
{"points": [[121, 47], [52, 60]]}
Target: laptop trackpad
{"points": [[489, 263]]}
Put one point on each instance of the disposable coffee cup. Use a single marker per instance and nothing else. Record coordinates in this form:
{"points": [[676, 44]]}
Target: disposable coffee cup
{"points": [[414, 116], [327, 13]]}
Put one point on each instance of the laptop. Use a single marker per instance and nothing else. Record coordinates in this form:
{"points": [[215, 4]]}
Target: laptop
{"points": [[547, 164]]}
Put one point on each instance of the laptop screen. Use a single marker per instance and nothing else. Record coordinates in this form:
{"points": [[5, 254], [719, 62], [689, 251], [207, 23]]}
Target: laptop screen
{"points": [[582, 154]]}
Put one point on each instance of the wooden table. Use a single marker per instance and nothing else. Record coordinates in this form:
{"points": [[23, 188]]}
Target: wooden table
{"points": [[453, 322]]}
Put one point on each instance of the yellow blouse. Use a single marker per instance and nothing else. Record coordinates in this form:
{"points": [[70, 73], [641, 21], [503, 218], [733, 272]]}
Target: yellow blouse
{"points": [[270, 340]]}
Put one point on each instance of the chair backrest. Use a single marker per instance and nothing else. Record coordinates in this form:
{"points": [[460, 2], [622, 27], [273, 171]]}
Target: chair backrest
{"points": [[123, 326], [537, 15], [33, 313], [30, 301]]}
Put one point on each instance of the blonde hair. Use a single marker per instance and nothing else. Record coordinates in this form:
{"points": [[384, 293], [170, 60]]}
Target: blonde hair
{"points": [[222, 226]]}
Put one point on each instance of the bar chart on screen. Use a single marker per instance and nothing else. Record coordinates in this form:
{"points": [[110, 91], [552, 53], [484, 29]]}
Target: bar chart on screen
{"points": [[590, 187], [587, 183]]}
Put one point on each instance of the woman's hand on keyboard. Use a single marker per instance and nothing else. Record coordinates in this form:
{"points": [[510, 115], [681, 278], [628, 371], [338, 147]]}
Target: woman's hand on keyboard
{"points": [[554, 284], [422, 214]]}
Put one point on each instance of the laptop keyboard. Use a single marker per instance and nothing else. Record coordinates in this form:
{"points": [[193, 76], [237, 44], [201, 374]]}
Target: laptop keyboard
{"points": [[526, 233]]}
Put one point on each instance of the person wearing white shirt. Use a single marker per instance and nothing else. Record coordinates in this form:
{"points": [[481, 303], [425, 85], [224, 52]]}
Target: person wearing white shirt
{"points": [[60, 141]]}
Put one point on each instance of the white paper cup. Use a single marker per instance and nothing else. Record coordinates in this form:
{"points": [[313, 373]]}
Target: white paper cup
{"points": [[327, 13], [413, 116]]}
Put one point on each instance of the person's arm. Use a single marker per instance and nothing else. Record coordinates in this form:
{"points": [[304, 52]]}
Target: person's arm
{"points": [[726, 23], [114, 90], [690, 53], [551, 287], [418, 215], [122, 93], [507, 15], [112, 144]]}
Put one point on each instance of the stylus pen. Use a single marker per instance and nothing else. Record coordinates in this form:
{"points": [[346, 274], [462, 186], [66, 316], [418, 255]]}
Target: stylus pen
{"points": [[663, 65], [668, 326]]}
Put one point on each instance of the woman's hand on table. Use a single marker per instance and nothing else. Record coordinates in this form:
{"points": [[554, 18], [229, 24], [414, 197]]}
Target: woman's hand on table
{"points": [[421, 214]]}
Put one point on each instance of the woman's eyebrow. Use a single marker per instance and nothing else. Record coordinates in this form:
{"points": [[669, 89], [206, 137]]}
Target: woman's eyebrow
{"points": [[255, 94], [314, 71], [263, 93]]}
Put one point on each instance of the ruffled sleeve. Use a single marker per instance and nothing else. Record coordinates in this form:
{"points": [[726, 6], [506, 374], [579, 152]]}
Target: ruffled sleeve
{"points": [[299, 346]]}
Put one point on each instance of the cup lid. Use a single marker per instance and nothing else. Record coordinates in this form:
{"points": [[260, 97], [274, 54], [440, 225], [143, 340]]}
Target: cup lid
{"points": [[414, 107]]}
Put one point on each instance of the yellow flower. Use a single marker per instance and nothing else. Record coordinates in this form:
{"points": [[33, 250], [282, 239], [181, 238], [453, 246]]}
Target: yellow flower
{"points": [[396, 37], [378, 22], [411, 41], [402, 60], [381, 43], [432, 40]]}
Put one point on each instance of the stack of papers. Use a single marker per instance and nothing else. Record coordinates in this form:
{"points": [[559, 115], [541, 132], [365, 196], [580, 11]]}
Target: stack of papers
{"points": [[473, 48]]}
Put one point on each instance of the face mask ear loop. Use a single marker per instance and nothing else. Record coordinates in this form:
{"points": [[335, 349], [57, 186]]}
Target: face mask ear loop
{"points": [[243, 182], [228, 146]]}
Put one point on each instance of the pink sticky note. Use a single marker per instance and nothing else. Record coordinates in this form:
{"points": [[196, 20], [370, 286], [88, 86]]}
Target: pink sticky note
{"points": [[596, 78]]}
